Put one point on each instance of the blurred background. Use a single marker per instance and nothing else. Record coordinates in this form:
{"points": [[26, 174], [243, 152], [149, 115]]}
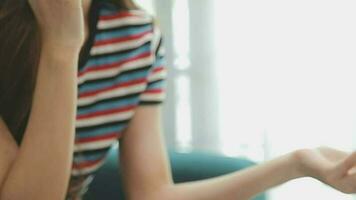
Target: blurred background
{"points": [[258, 79]]}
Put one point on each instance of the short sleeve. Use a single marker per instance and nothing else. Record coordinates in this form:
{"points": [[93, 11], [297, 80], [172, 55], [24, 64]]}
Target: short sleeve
{"points": [[155, 90]]}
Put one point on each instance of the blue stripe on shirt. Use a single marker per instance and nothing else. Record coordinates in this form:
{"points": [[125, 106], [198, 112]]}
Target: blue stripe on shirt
{"points": [[92, 87], [108, 105], [117, 58], [100, 131], [123, 33]]}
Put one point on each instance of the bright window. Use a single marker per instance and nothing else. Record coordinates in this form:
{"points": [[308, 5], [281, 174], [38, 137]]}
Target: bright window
{"points": [[287, 80]]}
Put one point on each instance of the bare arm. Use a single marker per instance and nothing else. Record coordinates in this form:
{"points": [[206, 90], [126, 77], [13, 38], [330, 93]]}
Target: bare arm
{"points": [[147, 173], [41, 168]]}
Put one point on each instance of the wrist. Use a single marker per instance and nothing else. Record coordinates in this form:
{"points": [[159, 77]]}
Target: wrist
{"points": [[298, 170], [58, 58], [62, 45], [56, 51]]}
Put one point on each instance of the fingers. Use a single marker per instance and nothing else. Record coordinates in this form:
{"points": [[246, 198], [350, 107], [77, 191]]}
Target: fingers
{"points": [[346, 165], [333, 154], [350, 161], [349, 184]]}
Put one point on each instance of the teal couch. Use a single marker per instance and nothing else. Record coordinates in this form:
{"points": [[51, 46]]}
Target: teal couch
{"points": [[107, 184]]}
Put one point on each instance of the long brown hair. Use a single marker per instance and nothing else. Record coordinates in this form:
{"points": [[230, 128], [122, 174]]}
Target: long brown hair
{"points": [[20, 47]]}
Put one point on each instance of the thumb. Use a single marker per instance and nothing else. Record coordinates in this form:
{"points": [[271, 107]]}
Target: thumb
{"points": [[344, 166]]}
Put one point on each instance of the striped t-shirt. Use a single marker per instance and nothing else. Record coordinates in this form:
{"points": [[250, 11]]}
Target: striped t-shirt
{"points": [[121, 67]]}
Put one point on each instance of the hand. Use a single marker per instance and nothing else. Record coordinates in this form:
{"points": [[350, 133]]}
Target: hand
{"points": [[61, 21], [333, 167]]}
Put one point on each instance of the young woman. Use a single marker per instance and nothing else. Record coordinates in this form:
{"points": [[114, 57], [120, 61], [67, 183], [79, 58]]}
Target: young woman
{"points": [[59, 118]]}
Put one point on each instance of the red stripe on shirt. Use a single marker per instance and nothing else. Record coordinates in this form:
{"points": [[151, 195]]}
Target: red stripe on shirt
{"points": [[115, 64], [117, 16], [121, 39], [116, 86], [153, 91], [158, 69], [106, 112], [97, 138]]}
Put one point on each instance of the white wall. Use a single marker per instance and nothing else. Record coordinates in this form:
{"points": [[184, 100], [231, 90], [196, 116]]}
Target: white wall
{"points": [[265, 78], [287, 73]]}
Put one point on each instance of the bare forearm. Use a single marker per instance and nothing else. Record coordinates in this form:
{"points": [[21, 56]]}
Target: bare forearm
{"points": [[42, 167], [241, 185], [147, 175]]}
